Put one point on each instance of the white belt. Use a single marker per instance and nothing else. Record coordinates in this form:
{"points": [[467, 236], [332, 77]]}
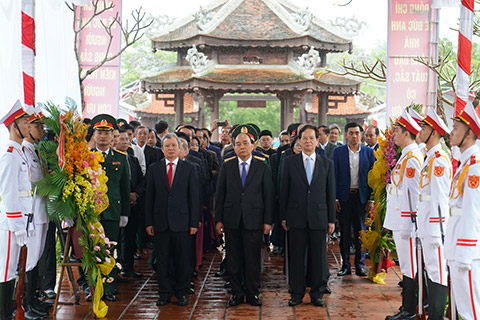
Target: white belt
{"points": [[393, 190], [25, 194], [455, 211], [424, 197]]}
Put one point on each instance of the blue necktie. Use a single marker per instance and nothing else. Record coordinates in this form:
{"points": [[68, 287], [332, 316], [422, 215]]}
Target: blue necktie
{"points": [[244, 173], [308, 170]]}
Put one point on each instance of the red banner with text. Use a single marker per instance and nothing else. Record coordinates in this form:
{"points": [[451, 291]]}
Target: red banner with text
{"points": [[101, 88], [408, 38]]}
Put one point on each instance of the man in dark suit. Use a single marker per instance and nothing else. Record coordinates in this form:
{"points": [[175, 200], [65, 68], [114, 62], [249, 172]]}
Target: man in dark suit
{"points": [[243, 209], [371, 137], [323, 142], [172, 215], [334, 135], [116, 168], [352, 162], [307, 211], [137, 188], [152, 155]]}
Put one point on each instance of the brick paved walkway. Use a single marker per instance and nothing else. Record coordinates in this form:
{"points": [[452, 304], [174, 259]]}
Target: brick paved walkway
{"points": [[352, 298]]}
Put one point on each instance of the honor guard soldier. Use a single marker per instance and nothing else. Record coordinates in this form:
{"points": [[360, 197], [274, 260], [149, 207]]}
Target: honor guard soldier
{"points": [[401, 209], [116, 168], [462, 241], [36, 243], [15, 206], [435, 180]]}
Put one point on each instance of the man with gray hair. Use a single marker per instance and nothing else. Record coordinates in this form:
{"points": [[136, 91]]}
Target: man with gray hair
{"points": [[334, 135], [171, 214]]}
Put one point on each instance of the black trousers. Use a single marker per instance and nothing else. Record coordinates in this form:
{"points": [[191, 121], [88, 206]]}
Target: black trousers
{"points": [[244, 248], [173, 248], [130, 236], [352, 215], [299, 241]]}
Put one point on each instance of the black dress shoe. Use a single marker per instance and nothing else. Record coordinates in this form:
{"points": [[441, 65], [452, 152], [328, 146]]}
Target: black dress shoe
{"points": [[109, 297], [328, 290], [295, 301], [362, 272], [227, 284], [131, 274], [344, 272], [319, 302], [163, 301], [137, 256], [191, 291], [221, 273], [89, 297], [182, 301], [235, 300], [254, 301], [195, 273], [402, 315]]}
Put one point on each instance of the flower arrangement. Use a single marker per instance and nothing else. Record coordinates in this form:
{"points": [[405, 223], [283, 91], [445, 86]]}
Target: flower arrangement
{"points": [[76, 190], [377, 240]]}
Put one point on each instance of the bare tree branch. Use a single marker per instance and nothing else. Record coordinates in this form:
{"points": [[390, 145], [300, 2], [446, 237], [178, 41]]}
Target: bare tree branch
{"points": [[377, 71]]}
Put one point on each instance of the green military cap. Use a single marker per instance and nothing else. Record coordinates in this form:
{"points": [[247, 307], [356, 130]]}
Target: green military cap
{"points": [[247, 129], [292, 129], [103, 122], [121, 122], [257, 129]]}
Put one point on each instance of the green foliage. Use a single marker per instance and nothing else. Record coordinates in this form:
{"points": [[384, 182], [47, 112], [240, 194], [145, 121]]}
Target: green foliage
{"points": [[139, 59], [266, 118]]}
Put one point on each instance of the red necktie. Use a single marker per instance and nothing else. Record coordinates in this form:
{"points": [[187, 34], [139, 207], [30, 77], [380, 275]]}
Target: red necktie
{"points": [[170, 174]]}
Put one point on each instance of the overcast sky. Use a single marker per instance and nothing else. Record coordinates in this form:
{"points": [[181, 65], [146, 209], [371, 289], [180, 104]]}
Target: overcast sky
{"points": [[373, 12]]}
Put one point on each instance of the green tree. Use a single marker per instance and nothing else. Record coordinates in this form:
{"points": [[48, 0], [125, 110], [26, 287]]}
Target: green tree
{"points": [[266, 118]]}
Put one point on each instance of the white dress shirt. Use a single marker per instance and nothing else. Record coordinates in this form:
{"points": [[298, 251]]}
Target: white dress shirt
{"points": [[313, 157], [174, 167], [247, 167], [354, 157]]}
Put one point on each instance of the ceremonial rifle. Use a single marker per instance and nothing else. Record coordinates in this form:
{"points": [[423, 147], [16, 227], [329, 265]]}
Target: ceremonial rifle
{"points": [[418, 243], [22, 262], [452, 314]]}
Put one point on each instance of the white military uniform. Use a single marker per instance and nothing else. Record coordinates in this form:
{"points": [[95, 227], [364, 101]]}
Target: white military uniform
{"points": [[435, 180], [405, 179], [16, 203], [36, 244], [462, 241]]}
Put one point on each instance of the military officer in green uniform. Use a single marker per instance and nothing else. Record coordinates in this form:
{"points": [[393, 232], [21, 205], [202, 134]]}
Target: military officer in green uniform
{"points": [[116, 169]]}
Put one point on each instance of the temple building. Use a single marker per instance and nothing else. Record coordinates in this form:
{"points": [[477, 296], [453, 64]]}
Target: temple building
{"points": [[250, 51]]}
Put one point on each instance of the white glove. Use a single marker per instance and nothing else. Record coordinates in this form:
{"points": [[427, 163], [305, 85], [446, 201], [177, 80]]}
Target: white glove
{"points": [[21, 237], [123, 221], [463, 266], [405, 235], [69, 223], [435, 244], [31, 233]]}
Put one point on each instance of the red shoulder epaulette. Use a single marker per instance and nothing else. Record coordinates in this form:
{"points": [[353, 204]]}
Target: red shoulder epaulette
{"points": [[473, 159], [10, 149]]}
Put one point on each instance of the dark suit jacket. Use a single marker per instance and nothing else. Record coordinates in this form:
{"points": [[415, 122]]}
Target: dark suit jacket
{"points": [[303, 205], [253, 203], [152, 155], [217, 151], [137, 180], [341, 162], [175, 208], [329, 150]]}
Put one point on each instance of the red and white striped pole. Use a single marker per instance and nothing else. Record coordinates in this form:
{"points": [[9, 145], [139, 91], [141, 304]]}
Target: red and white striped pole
{"points": [[28, 52], [464, 56]]}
